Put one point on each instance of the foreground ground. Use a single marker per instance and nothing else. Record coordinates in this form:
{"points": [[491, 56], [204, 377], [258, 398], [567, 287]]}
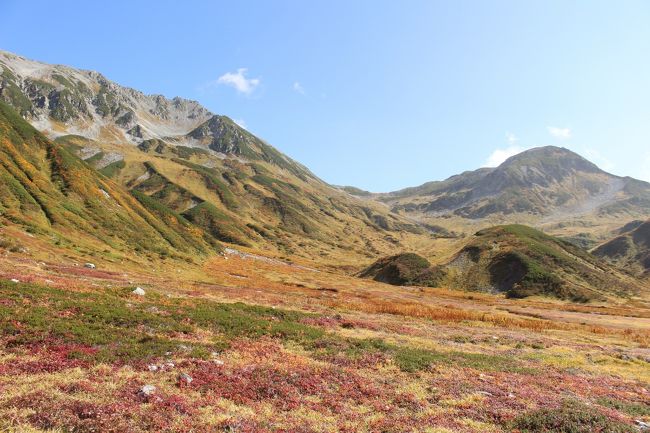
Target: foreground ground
{"points": [[248, 344]]}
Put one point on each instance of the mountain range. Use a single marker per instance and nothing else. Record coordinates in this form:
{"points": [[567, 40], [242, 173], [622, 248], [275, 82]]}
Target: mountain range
{"points": [[93, 166], [183, 162], [549, 187]]}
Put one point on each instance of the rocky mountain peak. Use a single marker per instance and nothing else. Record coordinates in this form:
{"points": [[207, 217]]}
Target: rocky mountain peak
{"points": [[60, 100]]}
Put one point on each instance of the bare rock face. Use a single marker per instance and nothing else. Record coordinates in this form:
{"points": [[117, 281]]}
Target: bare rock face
{"points": [[86, 103]]}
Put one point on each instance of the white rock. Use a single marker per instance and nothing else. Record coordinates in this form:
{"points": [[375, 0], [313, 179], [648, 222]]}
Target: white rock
{"points": [[643, 426], [147, 390], [152, 367], [90, 265], [185, 378], [13, 280], [138, 291], [218, 362]]}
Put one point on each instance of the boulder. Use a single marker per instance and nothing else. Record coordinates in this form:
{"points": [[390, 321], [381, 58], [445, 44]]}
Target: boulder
{"points": [[184, 379], [138, 291], [147, 391]]}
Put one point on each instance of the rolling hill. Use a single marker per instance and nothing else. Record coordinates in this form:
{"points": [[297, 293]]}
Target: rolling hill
{"points": [[630, 250], [516, 260]]}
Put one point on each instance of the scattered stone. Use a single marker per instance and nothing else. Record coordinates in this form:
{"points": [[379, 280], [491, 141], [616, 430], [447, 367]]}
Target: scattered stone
{"points": [[13, 280], [152, 367], [485, 393], [138, 291], [511, 395], [169, 365], [184, 379], [218, 362], [642, 425], [184, 348], [147, 391], [90, 265]]}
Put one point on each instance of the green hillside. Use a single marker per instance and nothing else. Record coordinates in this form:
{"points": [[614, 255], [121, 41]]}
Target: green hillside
{"points": [[49, 191], [516, 260]]}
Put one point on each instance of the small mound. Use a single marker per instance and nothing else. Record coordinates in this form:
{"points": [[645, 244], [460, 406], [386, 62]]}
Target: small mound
{"points": [[400, 270], [521, 261], [515, 260], [631, 250], [571, 417]]}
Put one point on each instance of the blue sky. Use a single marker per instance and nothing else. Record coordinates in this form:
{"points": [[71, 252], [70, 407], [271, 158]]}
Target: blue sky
{"points": [[377, 94]]}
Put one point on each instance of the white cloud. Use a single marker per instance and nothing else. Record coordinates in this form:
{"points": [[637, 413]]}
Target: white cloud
{"points": [[511, 138], [560, 133], [240, 122], [239, 81], [298, 87], [597, 158], [500, 155]]}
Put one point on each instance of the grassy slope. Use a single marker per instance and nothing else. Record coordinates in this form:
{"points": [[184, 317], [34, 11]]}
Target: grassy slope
{"points": [[630, 250], [516, 260], [522, 261], [261, 203], [51, 192]]}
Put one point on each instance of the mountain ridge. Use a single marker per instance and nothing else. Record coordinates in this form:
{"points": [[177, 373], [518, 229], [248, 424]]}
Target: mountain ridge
{"points": [[177, 157], [549, 187]]}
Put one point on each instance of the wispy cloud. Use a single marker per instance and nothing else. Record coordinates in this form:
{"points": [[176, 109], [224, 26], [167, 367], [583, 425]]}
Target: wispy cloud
{"points": [[298, 87], [598, 158], [559, 133], [239, 81], [240, 122], [498, 156], [511, 138]]}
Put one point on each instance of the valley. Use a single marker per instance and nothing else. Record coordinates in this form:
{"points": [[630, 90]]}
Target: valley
{"points": [[163, 269]]}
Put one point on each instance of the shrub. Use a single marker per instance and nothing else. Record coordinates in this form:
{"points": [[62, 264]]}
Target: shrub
{"points": [[571, 417]]}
